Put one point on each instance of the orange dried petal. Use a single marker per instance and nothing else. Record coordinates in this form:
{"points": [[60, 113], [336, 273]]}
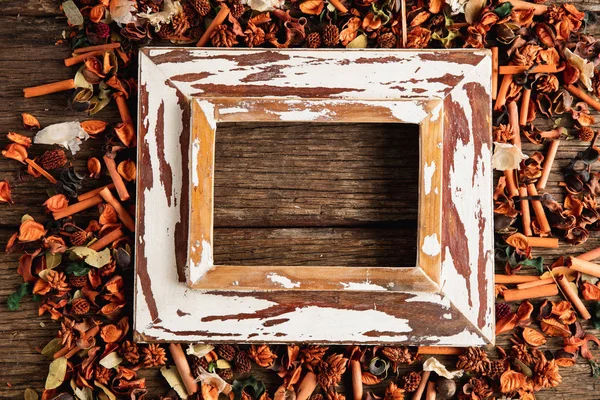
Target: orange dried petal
{"points": [[518, 241], [97, 13], [590, 292], [16, 152], [19, 139], [533, 337], [108, 216], [94, 167], [41, 287], [312, 7], [29, 121], [350, 30], [510, 381], [370, 379], [5, 192], [30, 231], [117, 84], [110, 333], [56, 203], [524, 313], [553, 327], [93, 126], [126, 134], [127, 170]]}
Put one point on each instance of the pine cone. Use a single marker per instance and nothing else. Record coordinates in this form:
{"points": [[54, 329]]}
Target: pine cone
{"points": [[497, 368], [57, 281], [474, 360], [386, 40], [202, 6], [79, 238], [222, 36], [502, 310], [242, 363], [311, 356], [196, 363], [331, 35], [196, 32], [502, 133], [262, 355], [237, 9], [80, 306], [522, 353], [53, 159], [585, 134], [317, 396], [130, 352], [226, 352], [313, 40], [411, 381], [154, 356], [255, 36], [393, 392], [331, 370], [77, 281], [226, 374], [102, 375], [398, 355], [547, 83]]}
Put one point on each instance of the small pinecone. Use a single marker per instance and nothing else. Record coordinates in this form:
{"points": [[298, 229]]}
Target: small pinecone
{"points": [[130, 352], [222, 36], [497, 368], [585, 134], [237, 10], [226, 351], [80, 306], [79, 238], [242, 363], [53, 159], [331, 35], [411, 381], [317, 396], [502, 310], [197, 362], [103, 375], [475, 360], [226, 374], [313, 40], [202, 6], [386, 40], [77, 281]]}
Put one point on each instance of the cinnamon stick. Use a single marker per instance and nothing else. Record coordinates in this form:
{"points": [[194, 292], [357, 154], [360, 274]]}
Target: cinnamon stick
{"points": [[404, 25], [538, 210], [69, 62], [539, 282], [123, 109], [63, 351], [72, 352], [103, 47], [41, 170], [519, 69], [111, 166], [520, 5], [77, 207], [422, 385], [524, 112], [571, 295], [94, 192], [307, 386], [531, 293], [503, 91], [183, 368], [48, 88], [340, 7], [221, 15], [575, 91], [357, 385], [121, 212], [548, 161], [106, 239], [508, 279], [586, 267], [440, 350], [494, 72], [525, 212], [590, 255], [513, 121], [511, 186], [547, 242], [430, 394]]}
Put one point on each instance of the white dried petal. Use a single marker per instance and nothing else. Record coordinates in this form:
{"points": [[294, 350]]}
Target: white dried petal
{"points": [[66, 134], [170, 9], [507, 156], [432, 364], [73, 14]]}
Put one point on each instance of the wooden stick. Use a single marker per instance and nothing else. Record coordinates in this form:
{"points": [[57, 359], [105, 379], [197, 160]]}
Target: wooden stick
{"points": [[571, 295], [524, 113], [511, 186], [107, 239], [548, 161], [340, 7], [41, 170], [590, 255], [94, 192], [513, 121], [111, 166], [69, 62], [123, 109], [525, 212], [538, 210], [508, 279], [430, 394], [575, 91], [519, 69], [121, 212], [62, 352], [503, 91], [221, 15], [48, 88], [307, 386], [494, 72], [103, 47], [586, 267], [547, 242], [72, 352], [422, 385], [539, 282], [520, 5], [183, 368], [77, 207], [440, 350], [404, 25], [357, 385], [531, 293]]}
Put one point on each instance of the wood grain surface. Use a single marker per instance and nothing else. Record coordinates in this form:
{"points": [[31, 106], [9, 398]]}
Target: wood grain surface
{"points": [[28, 31]]}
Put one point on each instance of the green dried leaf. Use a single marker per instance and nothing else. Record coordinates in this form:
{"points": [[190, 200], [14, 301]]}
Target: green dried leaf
{"points": [[56, 373], [503, 10], [251, 385], [96, 259], [52, 347], [446, 41], [596, 315], [53, 260], [77, 269], [378, 366], [595, 368], [30, 394], [359, 42], [14, 300], [537, 263]]}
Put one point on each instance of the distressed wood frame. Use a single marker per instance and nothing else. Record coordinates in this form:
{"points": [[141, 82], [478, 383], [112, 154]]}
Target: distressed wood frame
{"points": [[447, 299]]}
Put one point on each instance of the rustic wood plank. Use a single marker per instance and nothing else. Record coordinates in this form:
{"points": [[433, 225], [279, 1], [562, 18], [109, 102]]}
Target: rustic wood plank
{"points": [[31, 8]]}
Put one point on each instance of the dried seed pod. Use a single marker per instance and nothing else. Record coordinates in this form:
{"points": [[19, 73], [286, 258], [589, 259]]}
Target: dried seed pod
{"points": [[445, 387], [77, 281], [570, 74], [545, 33], [202, 6], [331, 35], [226, 352], [53, 159], [29, 121], [386, 40], [80, 306], [226, 374], [242, 363], [411, 381], [533, 337], [585, 134], [313, 40]]}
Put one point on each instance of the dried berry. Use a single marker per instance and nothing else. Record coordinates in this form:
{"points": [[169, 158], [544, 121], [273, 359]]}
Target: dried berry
{"points": [[53, 159], [242, 363], [226, 352], [585, 134], [202, 6], [80, 306], [411, 381], [313, 40]]}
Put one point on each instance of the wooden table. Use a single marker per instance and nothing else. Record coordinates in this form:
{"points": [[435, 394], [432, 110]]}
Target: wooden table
{"points": [[351, 222]]}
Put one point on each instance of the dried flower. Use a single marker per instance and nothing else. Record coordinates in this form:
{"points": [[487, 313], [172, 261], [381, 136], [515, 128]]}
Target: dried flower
{"points": [[255, 36], [53, 159], [222, 36], [5, 192], [331, 370], [418, 38], [55, 282], [474, 360], [29, 121], [154, 356], [262, 355], [130, 352], [546, 374], [103, 375], [506, 156], [311, 356], [411, 381], [393, 392]]}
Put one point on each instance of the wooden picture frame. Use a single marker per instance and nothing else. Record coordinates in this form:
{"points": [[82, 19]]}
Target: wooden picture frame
{"points": [[447, 298]]}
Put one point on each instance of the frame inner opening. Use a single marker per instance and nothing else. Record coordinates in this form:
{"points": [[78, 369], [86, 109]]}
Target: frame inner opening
{"points": [[315, 194]]}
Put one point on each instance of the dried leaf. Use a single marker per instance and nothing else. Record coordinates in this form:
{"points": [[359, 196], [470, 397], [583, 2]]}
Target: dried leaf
{"points": [[590, 292], [473, 10], [94, 126], [199, 350], [127, 170], [174, 380], [52, 347], [30, 394], [56, 373], [568, 273], [112, 360], [94, 167], [126, 134], [30, 231], [56, 203], [108, 216], [360, 42], [96, 259], [110, 333], [533, 337], [518, 241], [106, 391], [510, 381], [5, 192], [553, 327], [370, 379], [19, 139], [14, 300], [16, 152], [29, 121], [312, 7]]}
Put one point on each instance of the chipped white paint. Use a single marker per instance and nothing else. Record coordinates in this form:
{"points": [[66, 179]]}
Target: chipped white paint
{"points": [[196, 271], [428, 171], [283, 281], [431, 245], [232, 110], [361, 286], [208, 109], [447, 316]]}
